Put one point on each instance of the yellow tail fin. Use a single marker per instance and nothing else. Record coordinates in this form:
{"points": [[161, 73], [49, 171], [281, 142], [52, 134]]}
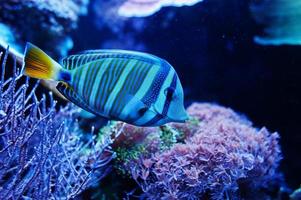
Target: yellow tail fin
{"points": [[37, 64]]}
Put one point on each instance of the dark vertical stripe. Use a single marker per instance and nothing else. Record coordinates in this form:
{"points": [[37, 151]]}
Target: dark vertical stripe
{"points": [[87, 68], [145, 68], [77, 77], [167, 102], [128, 87], [88, 91], [167, 99], [101, 91], [91, 74], [104, 82], [152, 94], [110, 76], [135, 83], [115, 74], [101, 88], [121, 94], [112, 83], [105, 91]]}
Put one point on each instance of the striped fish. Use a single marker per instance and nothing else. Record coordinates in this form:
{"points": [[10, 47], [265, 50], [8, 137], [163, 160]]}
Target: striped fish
{"points": [[137, 88]]}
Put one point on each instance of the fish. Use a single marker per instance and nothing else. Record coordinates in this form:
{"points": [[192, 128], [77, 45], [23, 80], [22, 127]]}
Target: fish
{"points": [[134, 87]]}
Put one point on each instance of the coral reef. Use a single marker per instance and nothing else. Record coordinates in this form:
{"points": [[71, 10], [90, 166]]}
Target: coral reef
{"points": [[217, 154], [143, 8], [45, 23], [282, 21], [43, 152]]}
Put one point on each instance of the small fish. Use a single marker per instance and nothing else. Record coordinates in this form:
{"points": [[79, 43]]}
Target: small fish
{"points": [[137, 88]]}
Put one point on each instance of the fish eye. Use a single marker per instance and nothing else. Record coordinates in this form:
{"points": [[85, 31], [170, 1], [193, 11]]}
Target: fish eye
{"points": [[169, 93], [142, 111]]}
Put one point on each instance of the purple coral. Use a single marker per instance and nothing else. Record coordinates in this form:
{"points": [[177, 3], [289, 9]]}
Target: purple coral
{"points": [[223, 154], [42, 152]]}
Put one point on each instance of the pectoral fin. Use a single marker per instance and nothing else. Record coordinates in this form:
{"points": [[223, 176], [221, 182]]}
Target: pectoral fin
{"points": [[69, 93]]}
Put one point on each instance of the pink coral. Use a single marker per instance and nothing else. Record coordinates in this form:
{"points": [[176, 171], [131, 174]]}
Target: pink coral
{"points": [[206, 112], [223, 152]]}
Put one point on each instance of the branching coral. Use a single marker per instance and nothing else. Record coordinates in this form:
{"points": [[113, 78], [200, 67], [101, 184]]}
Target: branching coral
{"points": [[215, 155], [43, 153], [46, 23], [282, 21]]}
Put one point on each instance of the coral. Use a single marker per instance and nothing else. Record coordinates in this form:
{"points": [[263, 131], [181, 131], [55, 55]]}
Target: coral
{"points": [[282, 21], [45, 23], [206, 112], [43, 152], [296, 194], [106, 16], [128, 16], [216, 155], [143, 8]]}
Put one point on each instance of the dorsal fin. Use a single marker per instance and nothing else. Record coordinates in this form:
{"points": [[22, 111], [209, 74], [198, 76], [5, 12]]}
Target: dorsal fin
{"points": [[77, 60], [122, 53], [74, 61]]}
